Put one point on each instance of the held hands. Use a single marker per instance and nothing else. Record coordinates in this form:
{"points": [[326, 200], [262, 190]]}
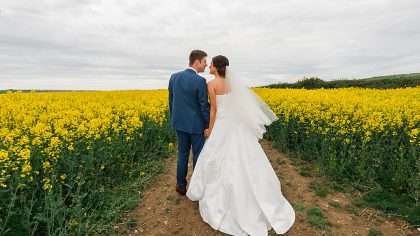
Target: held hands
{"points": [[207, 132]]}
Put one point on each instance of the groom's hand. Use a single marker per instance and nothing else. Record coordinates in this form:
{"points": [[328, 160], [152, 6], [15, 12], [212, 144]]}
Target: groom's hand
{"points": [[207, 133]]}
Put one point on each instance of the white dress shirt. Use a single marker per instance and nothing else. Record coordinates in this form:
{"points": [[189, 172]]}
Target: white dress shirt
{"points": [[193, 69]]}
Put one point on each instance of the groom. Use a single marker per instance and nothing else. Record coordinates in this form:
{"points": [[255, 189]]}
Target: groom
{"points": [[190, 113]]}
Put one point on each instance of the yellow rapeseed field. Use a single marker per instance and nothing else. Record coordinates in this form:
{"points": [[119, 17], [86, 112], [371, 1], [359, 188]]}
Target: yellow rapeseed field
{"points": [[350, 110], [48, 120], [63, 154], [367, 135]]}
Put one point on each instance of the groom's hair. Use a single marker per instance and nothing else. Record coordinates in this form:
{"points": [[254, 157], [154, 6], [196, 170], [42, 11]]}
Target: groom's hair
{"points": [[196, 55]]}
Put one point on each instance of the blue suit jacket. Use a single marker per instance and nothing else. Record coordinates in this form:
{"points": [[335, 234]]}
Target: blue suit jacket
{"points": [[188, 102]]}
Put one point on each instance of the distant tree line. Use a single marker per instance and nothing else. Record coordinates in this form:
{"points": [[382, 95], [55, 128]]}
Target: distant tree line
{"points": [[28, 91], [381, 82]]}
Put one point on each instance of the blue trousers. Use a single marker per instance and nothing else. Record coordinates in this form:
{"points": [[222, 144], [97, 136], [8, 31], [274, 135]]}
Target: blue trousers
{"points": [[185, 141]]}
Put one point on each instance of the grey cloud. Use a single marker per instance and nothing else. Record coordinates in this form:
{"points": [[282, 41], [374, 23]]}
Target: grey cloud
{"points": [[127, 44]]}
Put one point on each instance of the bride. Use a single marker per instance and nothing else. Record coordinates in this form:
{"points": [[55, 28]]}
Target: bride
{"points": [[235, 184]]}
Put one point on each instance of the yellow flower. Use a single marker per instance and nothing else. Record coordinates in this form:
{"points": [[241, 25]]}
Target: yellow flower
{"points": [[46, 165], [25, 154], [414, 132], [46, 184], [26, 168], [36, 141], [3, 155]]}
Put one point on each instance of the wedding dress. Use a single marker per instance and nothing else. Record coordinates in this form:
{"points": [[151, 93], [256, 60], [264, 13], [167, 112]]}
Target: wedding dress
{"points": [[238, 191]]}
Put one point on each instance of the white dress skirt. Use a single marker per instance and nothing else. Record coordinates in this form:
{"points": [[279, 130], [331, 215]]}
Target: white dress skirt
{"points": [[238, 191]]}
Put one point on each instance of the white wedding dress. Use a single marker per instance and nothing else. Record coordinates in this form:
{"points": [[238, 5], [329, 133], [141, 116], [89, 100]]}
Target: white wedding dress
{"points": [[238, 191]]}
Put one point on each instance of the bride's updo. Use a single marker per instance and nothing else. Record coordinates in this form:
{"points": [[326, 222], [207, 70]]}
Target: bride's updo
{"points": [[220, 62]]}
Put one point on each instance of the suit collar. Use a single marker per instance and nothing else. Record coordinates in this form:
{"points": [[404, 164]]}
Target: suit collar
{"points": [[191, 69]]}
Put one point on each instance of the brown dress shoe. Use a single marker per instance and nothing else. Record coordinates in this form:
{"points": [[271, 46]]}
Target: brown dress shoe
{"points": [[180, 190]]}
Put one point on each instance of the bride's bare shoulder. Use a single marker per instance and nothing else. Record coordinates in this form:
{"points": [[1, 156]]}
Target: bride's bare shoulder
{"points": [[211, 82]]}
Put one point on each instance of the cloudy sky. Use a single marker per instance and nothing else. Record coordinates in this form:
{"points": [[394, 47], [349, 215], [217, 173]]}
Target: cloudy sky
{"points": [[98, 44]]}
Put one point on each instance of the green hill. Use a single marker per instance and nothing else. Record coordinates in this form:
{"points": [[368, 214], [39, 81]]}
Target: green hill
{"points": [[400, 76], [379, 82]]}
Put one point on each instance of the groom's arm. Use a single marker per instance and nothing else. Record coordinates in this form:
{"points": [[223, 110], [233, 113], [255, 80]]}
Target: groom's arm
{"points": [[171, 96], [204, 101]]}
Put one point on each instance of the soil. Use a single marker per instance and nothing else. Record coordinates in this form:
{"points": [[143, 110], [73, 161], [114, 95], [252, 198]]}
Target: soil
{"points": [[165, 212]]}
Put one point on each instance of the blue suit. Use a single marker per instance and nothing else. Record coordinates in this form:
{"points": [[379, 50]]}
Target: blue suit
{"points": [[190, 115]]}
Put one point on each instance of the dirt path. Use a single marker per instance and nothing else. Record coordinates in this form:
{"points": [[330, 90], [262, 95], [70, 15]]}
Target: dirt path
{"points": [[164, 212]]}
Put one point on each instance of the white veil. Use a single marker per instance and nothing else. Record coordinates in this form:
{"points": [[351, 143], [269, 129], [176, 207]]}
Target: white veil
{"points": [[246, 106]]}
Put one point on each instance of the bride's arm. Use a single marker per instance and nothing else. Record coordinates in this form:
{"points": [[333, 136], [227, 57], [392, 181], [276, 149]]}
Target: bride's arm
{"points": [[213, 107]]}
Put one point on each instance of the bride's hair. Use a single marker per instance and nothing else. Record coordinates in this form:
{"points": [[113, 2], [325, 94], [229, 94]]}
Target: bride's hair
{"points": [[220, 62]]}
